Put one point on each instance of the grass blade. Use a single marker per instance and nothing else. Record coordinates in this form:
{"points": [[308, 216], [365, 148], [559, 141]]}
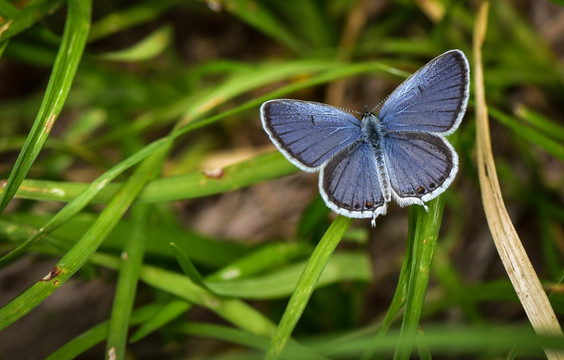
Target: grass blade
{"points": [[66, 63], [126, 287], [424, 242], [306, 285]]}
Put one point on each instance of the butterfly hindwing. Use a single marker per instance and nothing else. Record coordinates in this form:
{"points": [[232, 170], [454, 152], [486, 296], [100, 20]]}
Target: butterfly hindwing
{"points": [[433, 99], [349, 183], [308, 133], [420, 165]]}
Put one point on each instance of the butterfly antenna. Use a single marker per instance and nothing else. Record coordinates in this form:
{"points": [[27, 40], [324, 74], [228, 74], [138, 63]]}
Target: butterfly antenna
{"points": [[349, 110], [380, 103]]}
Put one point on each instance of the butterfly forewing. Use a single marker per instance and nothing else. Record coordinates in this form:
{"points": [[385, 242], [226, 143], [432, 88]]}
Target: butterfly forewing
{"points": [[433, 99], [350, 183], [308, 133], [420, 165]]}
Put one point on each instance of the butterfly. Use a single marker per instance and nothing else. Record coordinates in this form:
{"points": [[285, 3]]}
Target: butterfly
{"points": [[400, 153]]}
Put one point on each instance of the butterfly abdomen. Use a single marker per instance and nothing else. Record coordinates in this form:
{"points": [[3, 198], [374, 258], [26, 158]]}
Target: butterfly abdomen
{"points": [[372, 134]]}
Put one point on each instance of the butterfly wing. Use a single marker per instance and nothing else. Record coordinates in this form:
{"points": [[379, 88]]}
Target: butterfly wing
{"points": [[420, 166], [433, 99], [308, 133], [350, 183]]}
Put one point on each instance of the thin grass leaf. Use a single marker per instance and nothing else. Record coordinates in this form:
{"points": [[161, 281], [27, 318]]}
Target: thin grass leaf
{"points": [[548, 126], [68, 58], [306, 284], [8, 10], [150, 47], [260, 17], [232, 310], [188, 267], [137, 14], [293, 351], [264, 259], [448, 340], [400, 294], [424, 242], [21, 20], [193, 185], [97, 334], [166, 313], [126, 286], [77, 256], [530, 134], [281, 283]]}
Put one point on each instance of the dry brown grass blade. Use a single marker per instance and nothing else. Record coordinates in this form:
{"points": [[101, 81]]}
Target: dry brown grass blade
{"points": [[517, 264]]}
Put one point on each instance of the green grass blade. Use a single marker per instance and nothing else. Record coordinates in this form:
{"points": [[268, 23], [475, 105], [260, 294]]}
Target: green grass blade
{"points": [[264, 259], [400, 295], [68, 58], [424, 243], [126, 287], [263, 19], [124, 19], [167, 312], [293, 351], [150, 47], [21, 20], [549, 127], [281, 283], [8, 10], [188, 267], [551, 146], [233, 310], [193, 185], [306, 284], [73, 260], [97, 334]]}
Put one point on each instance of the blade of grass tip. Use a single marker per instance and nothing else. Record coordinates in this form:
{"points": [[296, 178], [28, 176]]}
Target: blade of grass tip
{"points": [[514, 257], [150, 47], [126, 287], [306, 285], [77, 256], [188, 267], [66, 63], [424, 243]]}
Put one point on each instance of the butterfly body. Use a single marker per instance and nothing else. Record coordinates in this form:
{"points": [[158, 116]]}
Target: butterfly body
{"points": [[399, 154]]}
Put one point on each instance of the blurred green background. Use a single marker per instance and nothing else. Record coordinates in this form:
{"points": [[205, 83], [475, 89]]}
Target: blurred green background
{"points": [[143, 118]]}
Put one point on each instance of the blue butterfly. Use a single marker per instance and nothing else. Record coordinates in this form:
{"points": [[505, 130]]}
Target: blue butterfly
{"points": [[401, 153]]}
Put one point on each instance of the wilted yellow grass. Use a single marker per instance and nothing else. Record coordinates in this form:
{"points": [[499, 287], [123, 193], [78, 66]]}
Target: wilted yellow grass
{"points": [[517, 264]]}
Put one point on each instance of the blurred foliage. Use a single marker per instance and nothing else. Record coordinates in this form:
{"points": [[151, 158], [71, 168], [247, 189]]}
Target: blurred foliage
{"points": [[130, 126]]}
